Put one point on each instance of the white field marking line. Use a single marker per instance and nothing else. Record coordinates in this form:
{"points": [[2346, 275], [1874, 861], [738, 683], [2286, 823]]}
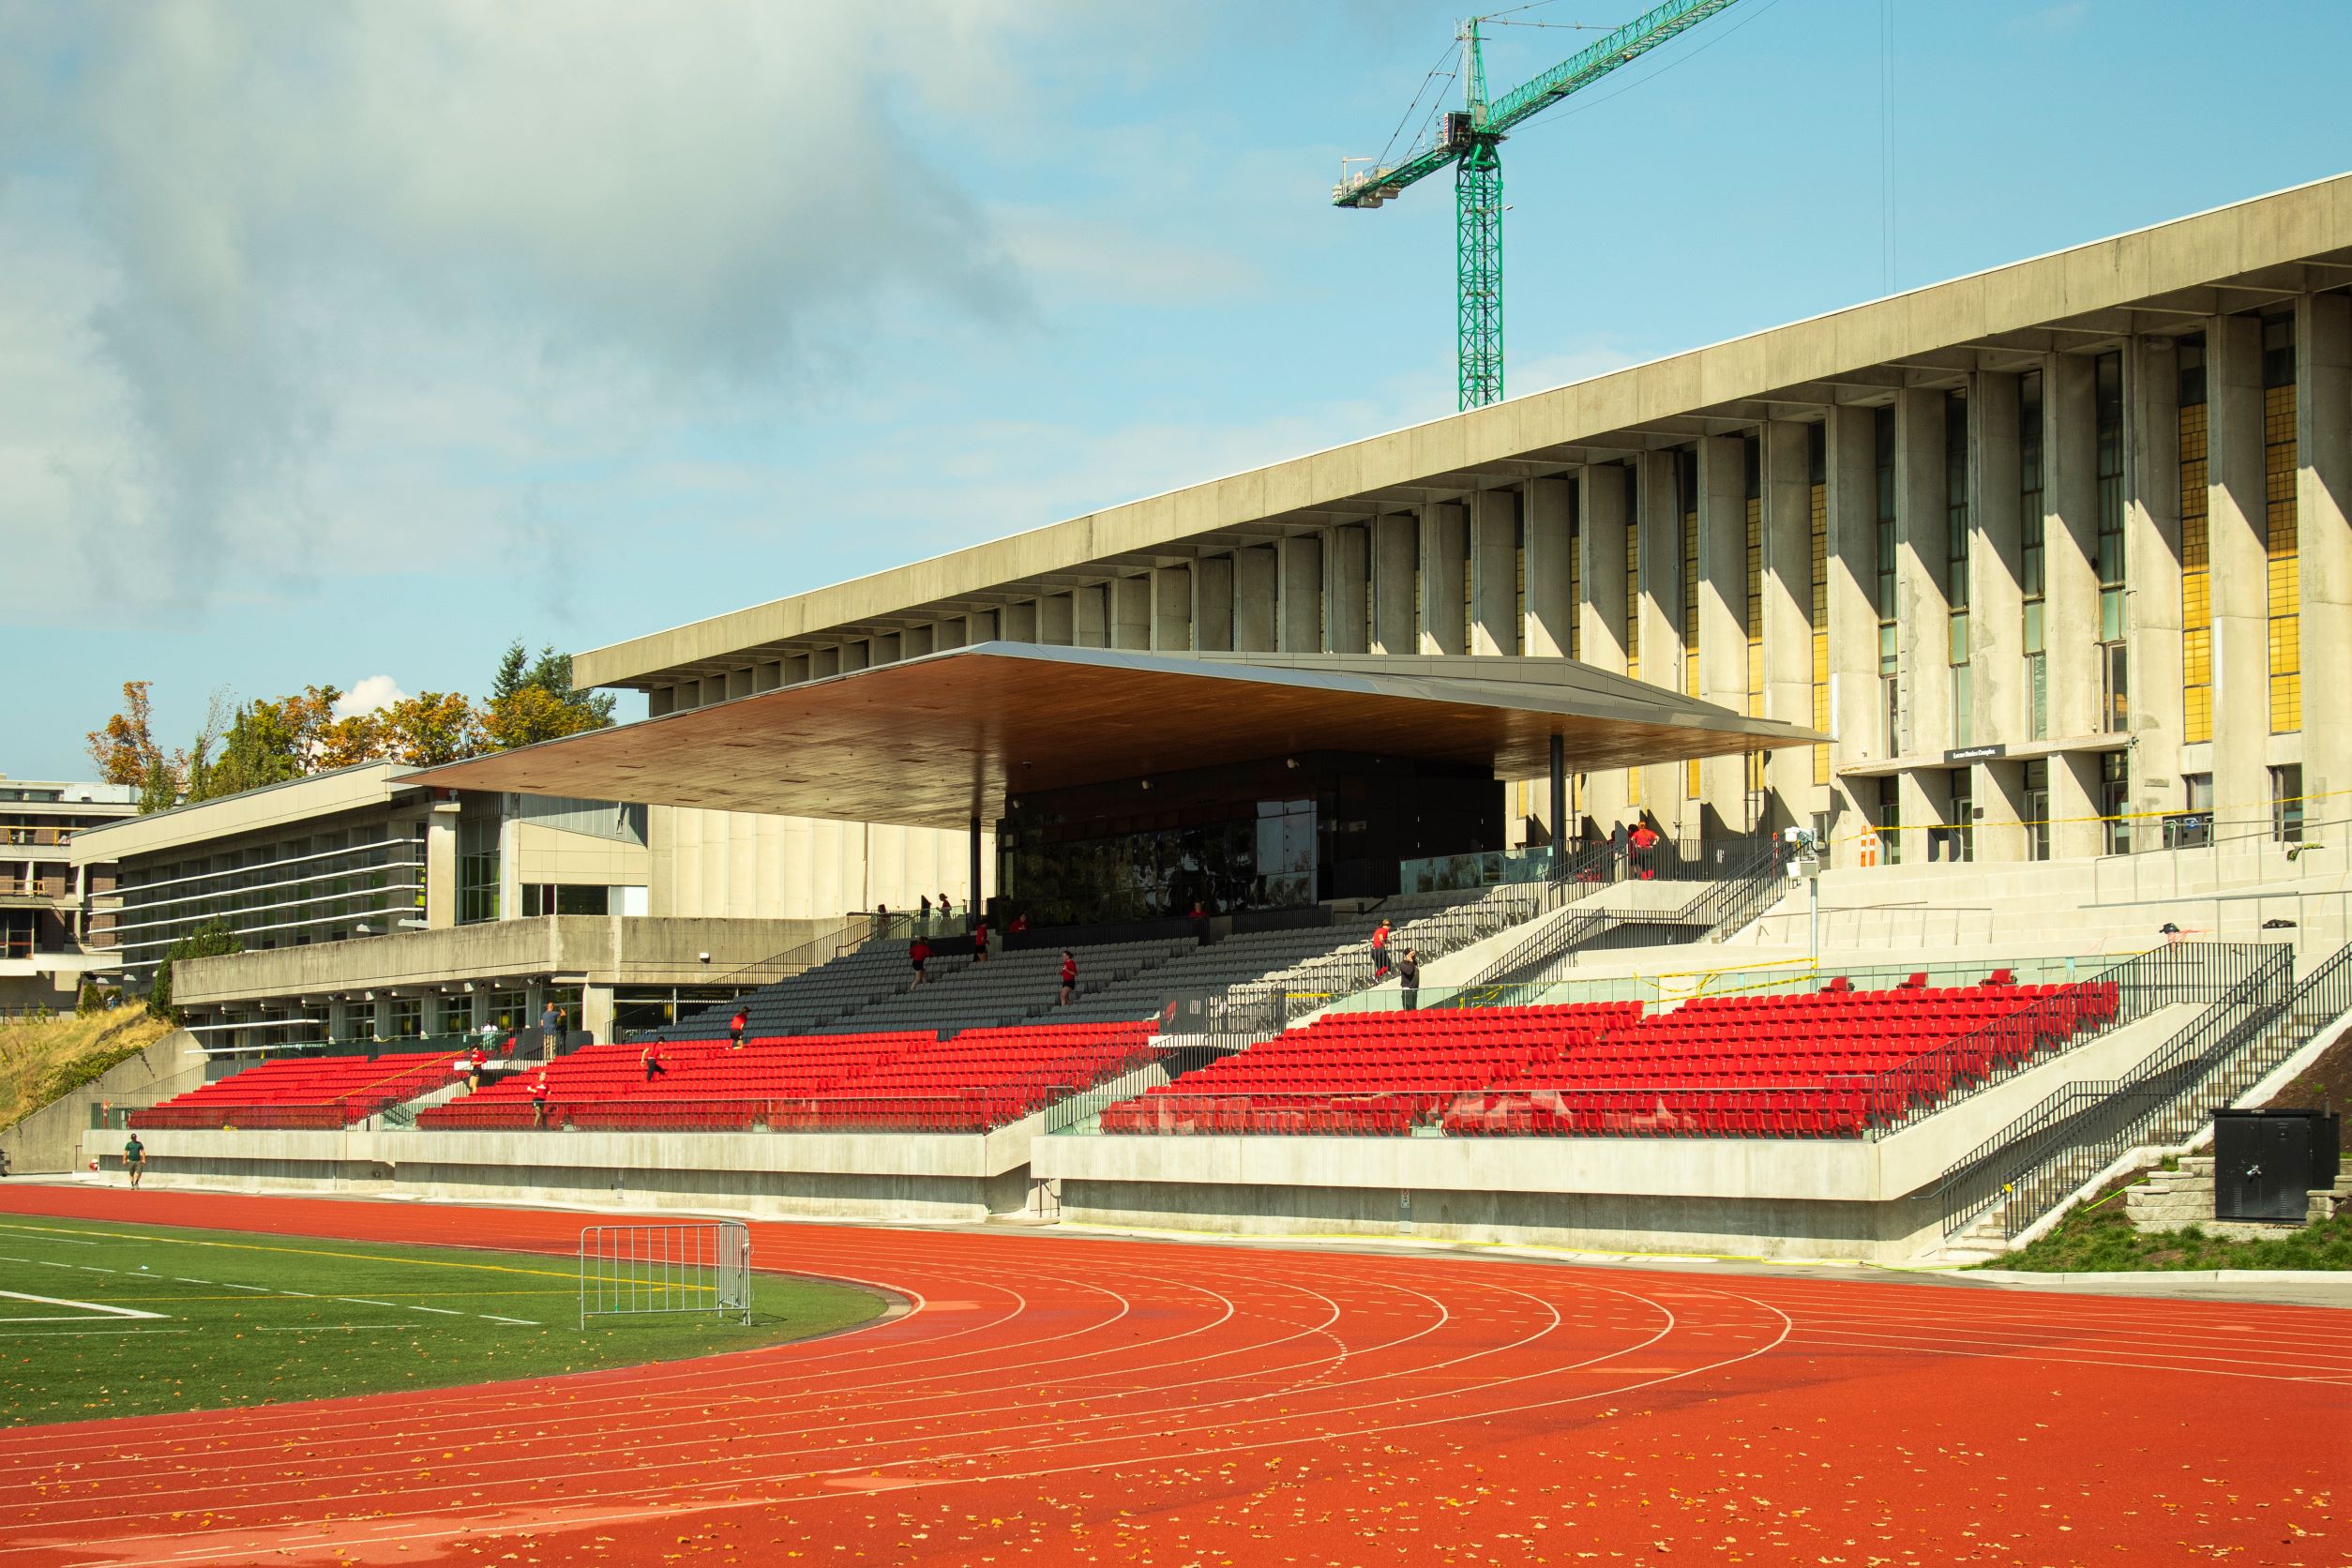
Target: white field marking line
{"points": [[2248, 1355], [183, 1279], [494, 1318], [2331, 1380], [2108, 1324], [93, 1268], [867, 1461], [52, 1236], [79, 1334], [83, 1309], [362, 1301], [258, 1290], [687, 1399], [1320, 1437], [336, 1328], [445, 1312]]}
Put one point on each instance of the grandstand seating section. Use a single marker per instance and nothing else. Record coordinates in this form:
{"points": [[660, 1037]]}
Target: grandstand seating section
{"points": [[304, 1093], [903, 1080], [1826, 1064]]}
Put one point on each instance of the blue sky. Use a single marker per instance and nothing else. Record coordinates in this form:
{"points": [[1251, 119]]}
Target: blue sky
{"points": [[348, 343]]}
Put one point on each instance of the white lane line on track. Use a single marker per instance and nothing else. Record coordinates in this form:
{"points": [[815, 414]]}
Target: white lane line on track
{"points": [[2249, 1355], [1061, 1440], [2330, 1379], [1320, 1437], [690, 1399]]}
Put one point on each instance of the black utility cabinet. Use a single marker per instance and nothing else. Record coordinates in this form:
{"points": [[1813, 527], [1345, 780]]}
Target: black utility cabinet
{"points": [[2265, 1161]]}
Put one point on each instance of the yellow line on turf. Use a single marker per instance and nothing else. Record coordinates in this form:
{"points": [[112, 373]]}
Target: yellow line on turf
{"points": [[292, 1251]]}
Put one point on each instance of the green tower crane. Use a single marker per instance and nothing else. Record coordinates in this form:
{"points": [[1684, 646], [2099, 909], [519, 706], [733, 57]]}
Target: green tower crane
{"points": [[1469, 139]]}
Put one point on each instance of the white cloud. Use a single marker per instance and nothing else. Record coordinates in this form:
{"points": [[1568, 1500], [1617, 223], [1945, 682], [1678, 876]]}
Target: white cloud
{"points": [[368, 694]]}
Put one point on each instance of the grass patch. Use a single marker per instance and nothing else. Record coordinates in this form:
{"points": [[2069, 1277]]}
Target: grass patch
{"points": [[102, 1319], [41, 1059], [2098, 1238]]}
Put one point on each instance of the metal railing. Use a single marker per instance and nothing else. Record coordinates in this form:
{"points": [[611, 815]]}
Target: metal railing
{"points": [[2030, 1166], [1748, 869]]}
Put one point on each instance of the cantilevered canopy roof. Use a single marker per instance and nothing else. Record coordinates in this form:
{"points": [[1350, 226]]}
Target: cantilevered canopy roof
{"points": [[934, 741]]}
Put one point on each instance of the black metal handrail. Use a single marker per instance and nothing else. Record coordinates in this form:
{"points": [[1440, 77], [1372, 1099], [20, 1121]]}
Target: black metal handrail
{"points": [[2077, 1131]]}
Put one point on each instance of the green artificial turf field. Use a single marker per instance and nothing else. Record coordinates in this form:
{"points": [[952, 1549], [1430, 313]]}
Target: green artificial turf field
{"points": [[102, 1319]]}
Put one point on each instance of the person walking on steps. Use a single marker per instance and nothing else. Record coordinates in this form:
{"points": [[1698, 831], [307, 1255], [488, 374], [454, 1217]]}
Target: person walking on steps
{"points": [[1408, 978], [135, 1158], [735, 1026], [918, 954], [538, 1099], [980, 942], [1380, 949], [1069, 977], [651, 1056]]}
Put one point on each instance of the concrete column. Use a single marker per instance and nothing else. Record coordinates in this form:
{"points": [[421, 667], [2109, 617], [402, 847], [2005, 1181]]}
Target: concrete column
{"points": [[887, 648], [2000, 788], [1090, 617], [2236, 527], [2323, 435], [1549, 508], [1723, 610], [1213, 603], [1256, 599], [2151, 551], [796, 668], [1302, 628], [2070, 545], [980, 626], [918, 642], [1602, 508], [1131, 612], [1019, 622], [1171, 610], [1395, 547], [824, 662], [1852, 549], [2074, 832], [1660, 542], [2003, 694], [1347, 570], [739, 683], [1444, 549], [947, 634], [1922, 611], [855, 655], [441, 867], [595, 1013], [1494, 551], [1788, 612]]}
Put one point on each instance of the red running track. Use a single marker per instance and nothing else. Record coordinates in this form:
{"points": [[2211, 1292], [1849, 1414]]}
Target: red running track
{"points": [[1055, 1400]]}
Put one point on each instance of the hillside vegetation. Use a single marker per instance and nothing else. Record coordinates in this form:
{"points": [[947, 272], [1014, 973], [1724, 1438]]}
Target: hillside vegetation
{"points": [[41, 1059]]}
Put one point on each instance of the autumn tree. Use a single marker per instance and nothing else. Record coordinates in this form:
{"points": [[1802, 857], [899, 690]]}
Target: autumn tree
{"points": [[125, 750], [532, 700], [271, 741], [432, 728]]}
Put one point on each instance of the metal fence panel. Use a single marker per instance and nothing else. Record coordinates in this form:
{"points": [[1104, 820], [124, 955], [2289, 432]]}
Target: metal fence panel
{"points": [[691, 1266]]}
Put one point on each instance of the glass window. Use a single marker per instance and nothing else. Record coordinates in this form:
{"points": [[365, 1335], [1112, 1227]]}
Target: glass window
{"points": [[2036, 806], [2286, 803], [478, 870], [2281, 524], [2114, 785], [1890, 821], [2196, 597]]}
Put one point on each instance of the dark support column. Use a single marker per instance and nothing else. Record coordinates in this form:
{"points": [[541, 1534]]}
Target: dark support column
{"points": [[972, 903], [1560, 805]]}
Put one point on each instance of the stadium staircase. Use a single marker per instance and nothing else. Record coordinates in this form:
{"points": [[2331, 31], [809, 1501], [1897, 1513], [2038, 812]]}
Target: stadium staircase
{"points": [[2048, 1155], [1744, 880]]}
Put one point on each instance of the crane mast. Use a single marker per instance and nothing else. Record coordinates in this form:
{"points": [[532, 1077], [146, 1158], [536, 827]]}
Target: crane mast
{"points": [[1470, 139]]}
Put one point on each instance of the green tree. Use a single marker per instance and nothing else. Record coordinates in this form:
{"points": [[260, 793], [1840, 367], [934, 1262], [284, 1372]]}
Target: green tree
{"points": [[532, 700], [211, 940]]}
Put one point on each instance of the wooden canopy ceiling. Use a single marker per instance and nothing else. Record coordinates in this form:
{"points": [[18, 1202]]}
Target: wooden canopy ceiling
{"points": [[934, 741]]}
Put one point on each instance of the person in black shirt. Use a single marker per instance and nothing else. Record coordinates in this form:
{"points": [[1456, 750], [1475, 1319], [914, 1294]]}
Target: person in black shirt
{"points": [[1409, 977]]}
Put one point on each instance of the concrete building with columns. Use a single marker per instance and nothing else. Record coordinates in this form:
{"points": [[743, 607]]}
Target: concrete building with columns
{"points": [[370, 905], [2046, 552]]}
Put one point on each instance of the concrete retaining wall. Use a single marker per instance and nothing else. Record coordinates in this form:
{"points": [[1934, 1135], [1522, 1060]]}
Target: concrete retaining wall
{"points": [[48, 1141]]}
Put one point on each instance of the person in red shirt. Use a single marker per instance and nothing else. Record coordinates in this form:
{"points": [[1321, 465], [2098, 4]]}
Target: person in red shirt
{"points": [[473, 1067], [1020, 924], [538, 1099], [980, 942], [651, 1056], [918, 954], [735, 1027], [1069, 977], [1380, 950]]}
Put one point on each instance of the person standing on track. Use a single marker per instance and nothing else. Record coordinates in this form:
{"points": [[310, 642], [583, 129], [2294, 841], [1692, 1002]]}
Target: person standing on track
{"points": [[135, 1158], [1069, 977], [735, 1026]]}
